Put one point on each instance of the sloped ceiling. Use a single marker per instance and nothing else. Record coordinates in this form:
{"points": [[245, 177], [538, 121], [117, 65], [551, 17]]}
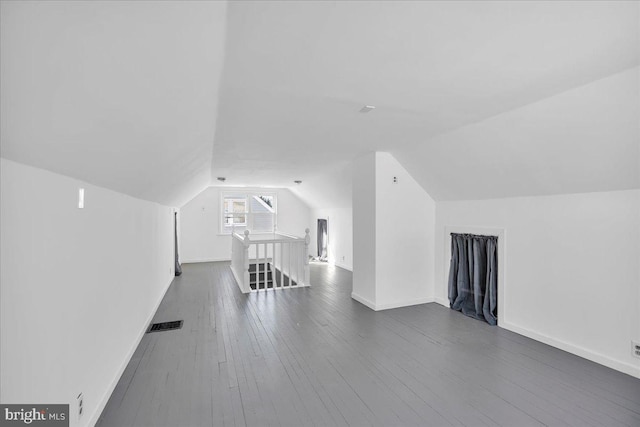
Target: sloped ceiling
{"points": [[563, 144], [296, 75], [129, 95], [120, 94]]}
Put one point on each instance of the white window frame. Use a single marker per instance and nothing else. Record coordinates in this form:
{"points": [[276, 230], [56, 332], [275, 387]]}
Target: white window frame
{"points": [[224, 213], [247, 195]]}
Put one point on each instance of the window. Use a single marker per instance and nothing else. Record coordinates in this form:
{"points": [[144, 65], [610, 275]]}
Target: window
{"points": [[235, 212], [255, 212]]}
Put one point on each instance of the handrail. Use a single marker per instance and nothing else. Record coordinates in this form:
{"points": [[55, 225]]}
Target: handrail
{"points": [[288, 238], [292, 236], [285, 257]]}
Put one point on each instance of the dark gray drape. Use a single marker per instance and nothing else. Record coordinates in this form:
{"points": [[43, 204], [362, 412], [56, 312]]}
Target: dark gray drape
{"points": [[473, 276], [322, 239], [178, 269]]}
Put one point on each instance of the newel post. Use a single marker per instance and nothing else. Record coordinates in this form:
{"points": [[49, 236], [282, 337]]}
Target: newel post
{"points": [[307, 273], [246, 242]]}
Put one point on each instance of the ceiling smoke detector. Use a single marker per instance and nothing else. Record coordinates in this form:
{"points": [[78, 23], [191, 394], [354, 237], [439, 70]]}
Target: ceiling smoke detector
{"points": [[297, 181], [222, 179], [367, 108]]}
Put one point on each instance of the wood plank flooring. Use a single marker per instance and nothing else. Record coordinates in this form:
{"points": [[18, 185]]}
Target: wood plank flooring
{"points": [[315, 357]]}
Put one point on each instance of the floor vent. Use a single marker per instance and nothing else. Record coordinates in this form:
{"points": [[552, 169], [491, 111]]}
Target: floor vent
{"points": [[165, 326]]}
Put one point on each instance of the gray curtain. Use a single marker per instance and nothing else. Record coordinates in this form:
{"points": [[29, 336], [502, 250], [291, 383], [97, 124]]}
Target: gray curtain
{"points": [[473, 276], [178, 267], [322, 239]]}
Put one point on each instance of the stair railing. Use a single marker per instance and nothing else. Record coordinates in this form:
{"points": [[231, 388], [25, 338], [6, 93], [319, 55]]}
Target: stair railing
{"points": [[275, 261]]}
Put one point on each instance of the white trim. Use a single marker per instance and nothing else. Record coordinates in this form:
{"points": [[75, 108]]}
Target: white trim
{"points": [[388, 306], [343, 266], [248, 194], [238, 281], [222, 227], [107, 395], [289, 236], [441, 301], [503, 322], [405, 303], [618, 365], [362, 300], [196, 261]]}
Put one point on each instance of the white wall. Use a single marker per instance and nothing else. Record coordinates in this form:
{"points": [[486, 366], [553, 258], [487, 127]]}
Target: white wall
{"points": [[393, 235], [571, 268], [340, 230], [364, 229], [200, 238], [405, 221], [78, 286]]}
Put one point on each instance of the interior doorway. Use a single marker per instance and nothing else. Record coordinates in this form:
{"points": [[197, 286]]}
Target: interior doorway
{"points": [[323, 239]]}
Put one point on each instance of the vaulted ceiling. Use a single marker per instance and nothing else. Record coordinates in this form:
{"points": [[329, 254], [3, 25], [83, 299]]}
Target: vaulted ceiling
{"points": [[476, 99], [120, 94]]}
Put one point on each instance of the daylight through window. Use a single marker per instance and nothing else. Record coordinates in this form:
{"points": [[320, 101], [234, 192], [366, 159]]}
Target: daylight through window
{"points": [[255, 212]]}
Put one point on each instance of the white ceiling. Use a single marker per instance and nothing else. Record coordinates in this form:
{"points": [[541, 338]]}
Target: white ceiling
{"points": [[129, 95], [119, 94], [560, 145]]}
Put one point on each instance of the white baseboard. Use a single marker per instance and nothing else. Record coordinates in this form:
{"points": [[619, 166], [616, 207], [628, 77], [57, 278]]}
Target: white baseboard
{"points": [[378, 307], [346, 267], [362, 300], [105, 398], [405, 303], [618, 365], [196, 261], [441, 301]]}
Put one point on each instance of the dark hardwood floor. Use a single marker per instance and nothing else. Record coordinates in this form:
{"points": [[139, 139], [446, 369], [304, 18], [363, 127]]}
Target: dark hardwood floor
{"points": [[315, 357]]}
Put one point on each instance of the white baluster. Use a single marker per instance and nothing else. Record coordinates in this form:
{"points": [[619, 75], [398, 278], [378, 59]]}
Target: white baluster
{"points": [[300, 271], [281, 244], [266, 284], [273, 263], [247, 276], [299, 264], [307, 272], [294, 266], [290, 275], [257, 266]]}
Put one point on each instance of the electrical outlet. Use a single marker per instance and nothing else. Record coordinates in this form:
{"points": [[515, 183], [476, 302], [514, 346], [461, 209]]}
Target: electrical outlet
{"points": [[80, 401], [343, 257], [635, 348]]}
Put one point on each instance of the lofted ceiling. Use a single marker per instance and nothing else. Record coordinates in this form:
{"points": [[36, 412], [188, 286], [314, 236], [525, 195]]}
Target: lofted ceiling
{"points": [[157, 99], [563, 144], [120, 94]]}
